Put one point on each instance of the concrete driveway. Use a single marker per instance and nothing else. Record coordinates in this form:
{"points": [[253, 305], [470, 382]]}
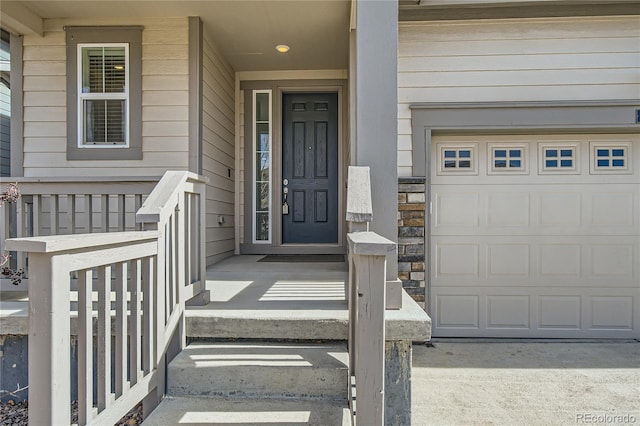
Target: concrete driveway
{"points": [[526, 383]]}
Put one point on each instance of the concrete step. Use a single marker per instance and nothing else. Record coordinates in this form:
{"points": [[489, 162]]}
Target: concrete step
{"points": [[260, 370], [268, 324], [220, 411]]}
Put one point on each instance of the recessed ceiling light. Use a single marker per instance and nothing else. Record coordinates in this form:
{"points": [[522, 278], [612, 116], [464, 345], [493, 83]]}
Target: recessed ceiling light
{"points": [[282, 48]]}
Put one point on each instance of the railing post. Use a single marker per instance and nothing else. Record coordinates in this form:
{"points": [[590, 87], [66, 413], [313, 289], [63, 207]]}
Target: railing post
{"points": [[370, 273], [158, 286], [367, 265], [200, 293], [49, 350]]}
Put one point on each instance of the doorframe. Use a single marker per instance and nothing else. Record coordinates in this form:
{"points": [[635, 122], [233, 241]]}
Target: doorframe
{"points": [[278, 89]]}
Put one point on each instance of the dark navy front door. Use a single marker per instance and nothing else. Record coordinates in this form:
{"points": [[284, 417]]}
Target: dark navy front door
{"points": [[310, 168]]}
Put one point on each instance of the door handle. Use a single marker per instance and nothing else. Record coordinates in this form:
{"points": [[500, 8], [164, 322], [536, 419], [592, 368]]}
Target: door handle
{"points": [[285, 191]]}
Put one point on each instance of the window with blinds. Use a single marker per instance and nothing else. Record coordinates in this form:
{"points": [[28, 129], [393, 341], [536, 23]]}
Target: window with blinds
{"points": [[103, 95]]}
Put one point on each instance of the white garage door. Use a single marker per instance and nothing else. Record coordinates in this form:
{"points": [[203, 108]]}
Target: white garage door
{"points": [[535, 236]]}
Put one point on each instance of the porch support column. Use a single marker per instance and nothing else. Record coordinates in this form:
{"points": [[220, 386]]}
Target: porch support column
{"points": [[374, 115]]}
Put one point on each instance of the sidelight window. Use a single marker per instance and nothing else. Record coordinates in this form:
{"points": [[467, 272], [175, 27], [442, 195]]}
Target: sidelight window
{"points": [[262, 166]]}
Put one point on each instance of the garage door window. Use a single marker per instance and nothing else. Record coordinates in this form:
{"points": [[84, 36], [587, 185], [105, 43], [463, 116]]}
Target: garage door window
{"points": [[507, 158], [457, 159], [610, 158], [558, 159]]}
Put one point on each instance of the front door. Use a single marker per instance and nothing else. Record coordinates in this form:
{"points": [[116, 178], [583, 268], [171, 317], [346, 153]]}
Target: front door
{"points": [[310, 168]]}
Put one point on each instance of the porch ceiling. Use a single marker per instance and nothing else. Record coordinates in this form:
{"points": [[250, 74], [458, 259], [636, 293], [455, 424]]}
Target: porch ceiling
{"points": [[246, 31]]}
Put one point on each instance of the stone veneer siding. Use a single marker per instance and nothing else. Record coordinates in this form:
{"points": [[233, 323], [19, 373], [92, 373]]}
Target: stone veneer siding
{"points": [[411, 216]]}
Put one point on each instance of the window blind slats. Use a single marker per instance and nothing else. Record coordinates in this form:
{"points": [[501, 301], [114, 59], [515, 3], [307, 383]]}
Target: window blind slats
{"points": [[104, 70], [104, 121]]}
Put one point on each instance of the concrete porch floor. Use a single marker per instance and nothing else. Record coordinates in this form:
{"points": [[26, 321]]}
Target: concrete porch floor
{"points": [[273, 300], [245, 283]]}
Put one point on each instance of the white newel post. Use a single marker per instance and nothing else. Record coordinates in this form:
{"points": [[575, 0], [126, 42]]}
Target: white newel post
{"points": [[49, 341]]}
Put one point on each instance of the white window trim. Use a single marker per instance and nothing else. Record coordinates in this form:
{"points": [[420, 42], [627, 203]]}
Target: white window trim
{"points": [[118, 96], [472, 147], [524, 160], [270, 182], [626, 146], [543, 170]]}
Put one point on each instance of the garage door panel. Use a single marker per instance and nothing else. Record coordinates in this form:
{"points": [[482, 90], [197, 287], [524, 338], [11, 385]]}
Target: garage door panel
{"points": [[560, 209], [611, 261], [458, 311], [559, 312], [508, 209], [457, 261], [559, 261], [508, 312], [457, 210], [611, 313], [612, 209], [508, 260]]}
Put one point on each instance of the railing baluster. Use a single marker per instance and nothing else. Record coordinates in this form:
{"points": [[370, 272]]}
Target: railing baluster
{"points": [[169, 268], [85, 347], [137, 205], [54, 211], [122, 213], [135, 290], [104, 209], [177, 257], [20, 228], [201, 229], [104, 337], [71, 213], [148, 342], [88, 211], [37, 215], [188, 243], [181, 252], [24, 209], [121, 328]]}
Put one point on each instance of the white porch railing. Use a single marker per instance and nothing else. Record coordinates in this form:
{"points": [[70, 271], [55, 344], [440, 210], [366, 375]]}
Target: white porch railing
{"points": [[152, 273], [59, 206], [366, 297]]}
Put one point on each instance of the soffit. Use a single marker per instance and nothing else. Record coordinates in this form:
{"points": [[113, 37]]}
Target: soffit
{"points": [[246, 31]]}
